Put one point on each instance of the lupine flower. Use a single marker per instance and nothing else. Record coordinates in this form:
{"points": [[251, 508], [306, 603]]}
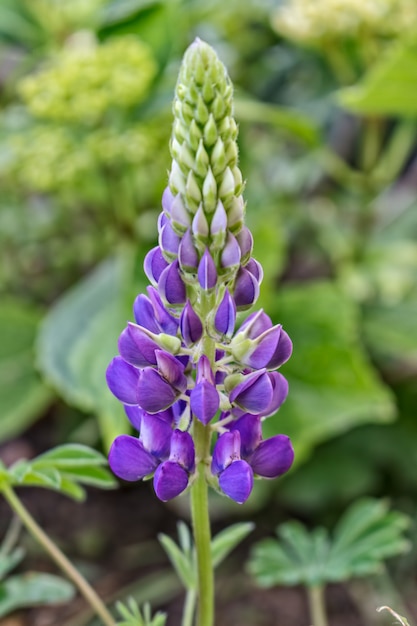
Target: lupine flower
{"points": [[201, 273]]}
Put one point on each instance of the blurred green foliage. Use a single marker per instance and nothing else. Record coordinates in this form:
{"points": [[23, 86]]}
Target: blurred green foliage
{"points": [[328, 147]]}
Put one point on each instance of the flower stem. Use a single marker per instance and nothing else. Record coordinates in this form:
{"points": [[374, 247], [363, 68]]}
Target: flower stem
{"points": [[316, 604], [189, 608], [201, 529], [60, 559]]}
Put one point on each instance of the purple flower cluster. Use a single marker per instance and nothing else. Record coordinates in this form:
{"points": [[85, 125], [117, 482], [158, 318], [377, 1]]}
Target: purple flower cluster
{"points": [[183, 362]]}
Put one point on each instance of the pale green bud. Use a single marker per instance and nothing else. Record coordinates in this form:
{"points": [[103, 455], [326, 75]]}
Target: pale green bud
{"points": [[201, 111], [192, 192], [227, 187], [218, 157], [200, 227], [210, 192], [201, 160], [210, 132], [176, 179]]}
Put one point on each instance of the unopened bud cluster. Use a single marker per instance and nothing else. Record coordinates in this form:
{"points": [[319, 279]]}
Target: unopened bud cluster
{"points": [[201, 273]]}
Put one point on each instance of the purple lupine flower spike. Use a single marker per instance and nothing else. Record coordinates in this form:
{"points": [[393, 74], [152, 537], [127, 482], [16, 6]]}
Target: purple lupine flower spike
{"points": [[182, 363]]}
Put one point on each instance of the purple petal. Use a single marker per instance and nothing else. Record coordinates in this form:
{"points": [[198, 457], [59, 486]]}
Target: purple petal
{"points": [[254, 267], [155, 436], [207, 274], [246, 290], [136, 347], [168, 240], [154, 264], [166, 321], [256, 324], [225, 318], [179, 215], [200, 227], [282, 352], [129, 460], [187, 253], [249, 427], [144, 313], [167, 200], [154, 394], [134, 415], [122, 380], [230, 256], [236, 481], [272, 457], [171, 369], [264, 350], [204, 401], [279, 393], [254, 393], [171, 286], [245, 241], [182, 450], [170, 480], [162, 220], [219, 220], [204, 370], [190, 325], [226, 451]]}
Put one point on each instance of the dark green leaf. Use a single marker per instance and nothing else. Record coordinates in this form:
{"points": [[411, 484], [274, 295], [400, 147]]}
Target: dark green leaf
{"points": [[333, 386], [69, 456], [79, 338], [9, 561], [23, 397]]}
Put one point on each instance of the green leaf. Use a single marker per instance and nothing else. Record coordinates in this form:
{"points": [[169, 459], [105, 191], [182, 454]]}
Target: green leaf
{"points": [[78, 339], [94, 476], [226, 540], [333, 386], [133, 616], [23, 397], [284, 119], [365, 536], [70, 455], [31, 590], [390, 332], [183, 565], [390, 86], [9, 561]]}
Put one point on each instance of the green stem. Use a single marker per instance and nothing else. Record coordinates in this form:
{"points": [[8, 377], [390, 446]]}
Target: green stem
{"points": [[316, 604], [189, 608], [201, 528], [60, 559]]}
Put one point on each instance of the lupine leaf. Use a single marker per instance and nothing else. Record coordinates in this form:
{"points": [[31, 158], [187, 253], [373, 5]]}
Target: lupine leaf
{"points": [[9, 561], [333, 385], [390, 87], [23, 397], [133, 616], [33, 589], [78, 339], [62, 468], [226, 540], [183, 565], [366, 535]]}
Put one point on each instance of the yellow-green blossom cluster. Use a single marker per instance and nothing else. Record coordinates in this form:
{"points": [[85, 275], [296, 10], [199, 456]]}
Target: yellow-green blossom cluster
{"points": [[48, 158], [88, 80], [308, 22]]}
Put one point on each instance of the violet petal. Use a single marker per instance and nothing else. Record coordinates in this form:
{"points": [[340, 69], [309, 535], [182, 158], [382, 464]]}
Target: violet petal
{"points": [[204, 401], [236, 481], [190, 325], [134, 415], [272, 457], [207, 274], [144, 313], [225, 318], [129, 460], [136, 347], [171, 286], [166, 321], [123, 380], [156, 436], [226, 451], [246, 290], [154, 264], [254, 393], [282, 352], [279, 393], [249, 427], [182, 450], [171, 369], [170, 480], [187, 253], [154, 394]]}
